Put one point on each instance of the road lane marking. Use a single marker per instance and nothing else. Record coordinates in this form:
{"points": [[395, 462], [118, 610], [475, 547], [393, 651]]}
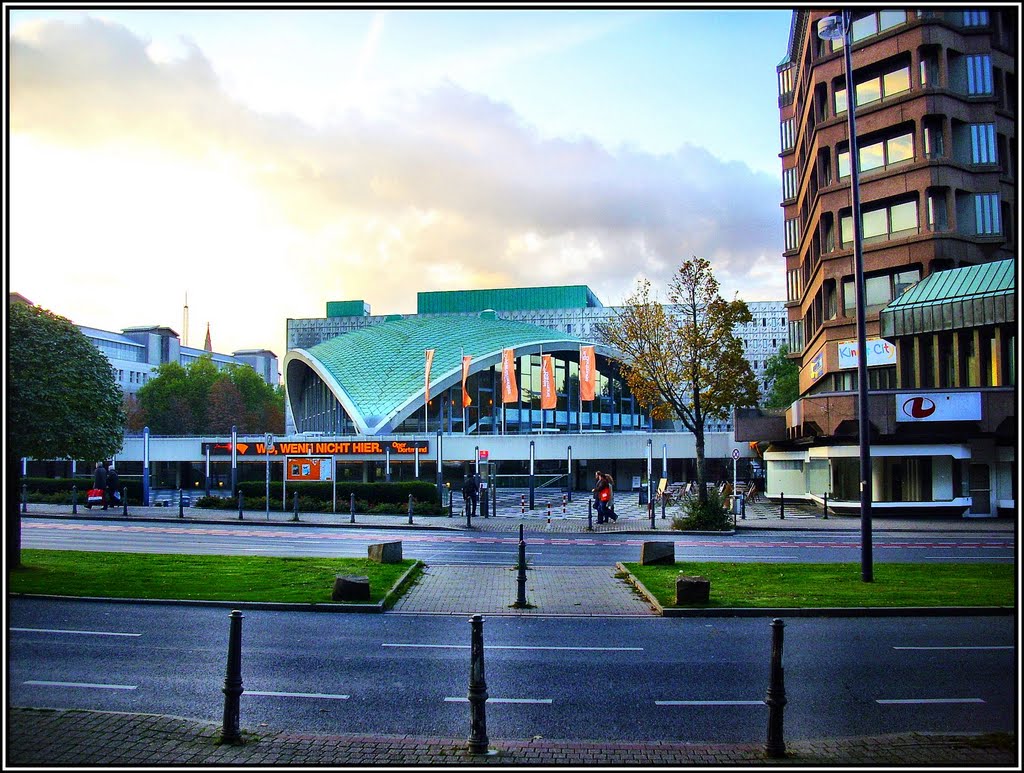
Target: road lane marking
{"points": [[710, 703], [905, 701], [519, 647], [41, 683], [450, 699], [972, 647], [83, 633], [273, 694]]}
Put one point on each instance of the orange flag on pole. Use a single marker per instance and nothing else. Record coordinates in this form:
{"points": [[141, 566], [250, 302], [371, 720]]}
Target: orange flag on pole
{"points": [[588, 373], [426, 376], [466, 400], [509, 387], [548, 397]]}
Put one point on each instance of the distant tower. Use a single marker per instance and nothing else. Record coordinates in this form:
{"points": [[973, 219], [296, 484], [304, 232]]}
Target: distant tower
{"points": [[208, 346], [184, 321]]}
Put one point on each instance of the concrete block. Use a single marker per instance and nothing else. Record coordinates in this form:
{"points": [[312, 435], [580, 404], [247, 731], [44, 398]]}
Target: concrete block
{"points": [[692, 590], [385, 552], [349, 587], [658, 553]]}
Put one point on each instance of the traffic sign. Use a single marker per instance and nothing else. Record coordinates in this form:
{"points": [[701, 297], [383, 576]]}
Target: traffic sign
{"points": [[735, 453]]}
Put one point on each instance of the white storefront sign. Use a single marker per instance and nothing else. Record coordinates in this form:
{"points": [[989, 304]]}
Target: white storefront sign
{"points": [[880, 352], [938, 406]]}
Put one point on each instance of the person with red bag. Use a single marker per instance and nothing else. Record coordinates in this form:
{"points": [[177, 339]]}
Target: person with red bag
{"points": [[602, 495], [98, 493]]}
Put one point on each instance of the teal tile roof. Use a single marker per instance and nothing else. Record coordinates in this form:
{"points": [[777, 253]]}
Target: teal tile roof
{"points": [[958, 298], [378, 371]]}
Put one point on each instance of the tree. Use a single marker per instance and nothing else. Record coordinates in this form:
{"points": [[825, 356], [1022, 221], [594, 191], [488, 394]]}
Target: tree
{"points": [[225, 407], [62, 401], [782, 380], [162, 398], [684, 362]]}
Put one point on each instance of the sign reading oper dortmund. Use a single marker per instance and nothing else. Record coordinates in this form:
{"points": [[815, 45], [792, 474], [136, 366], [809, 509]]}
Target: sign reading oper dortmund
{"points": [[314, 447]]}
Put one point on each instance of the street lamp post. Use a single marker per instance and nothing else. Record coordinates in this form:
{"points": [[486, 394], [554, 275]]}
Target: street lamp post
{"points": [[836, 28]]}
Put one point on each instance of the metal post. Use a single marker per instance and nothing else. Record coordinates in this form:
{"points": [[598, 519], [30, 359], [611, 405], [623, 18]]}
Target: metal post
{"points": [[410, 509], [24, 498], [568, 476], [206, 482], [352, 508], [145, 466], [650, 509], [663, 498], [124, 499], [650, 459], [295, 500], [469, 519], [241, 498], [267, 443], [782, 505], [776, 698], [451, 503], [590, 515], [74, 500], [531, 473], [181, 504], [440, 482], [824, 507], [477, 742], [387, 463], [233, 682], [521, 573], [234, 457]]}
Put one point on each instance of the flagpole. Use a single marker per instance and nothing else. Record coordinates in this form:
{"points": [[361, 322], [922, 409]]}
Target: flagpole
{"points": [[426, 416], [462, 364], [579, 390], [541, 388]]}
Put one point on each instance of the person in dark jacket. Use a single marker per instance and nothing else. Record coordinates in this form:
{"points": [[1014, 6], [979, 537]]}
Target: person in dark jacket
{"points": [[113, 486], [471, 493], [99, 481]]}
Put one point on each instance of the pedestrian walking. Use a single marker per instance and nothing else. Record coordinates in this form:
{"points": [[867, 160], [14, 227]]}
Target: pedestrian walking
{"points": [[113, 487], [609, 504], [471, 493], [99, 482], [601, 496]]}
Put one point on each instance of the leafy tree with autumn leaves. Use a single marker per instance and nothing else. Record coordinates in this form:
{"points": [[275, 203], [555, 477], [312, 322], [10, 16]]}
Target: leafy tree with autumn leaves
{"points": [[682, 360], [782, 380]]}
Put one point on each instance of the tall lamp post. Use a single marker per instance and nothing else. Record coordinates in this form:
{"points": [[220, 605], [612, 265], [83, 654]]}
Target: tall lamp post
{"points": [[838, 28]]}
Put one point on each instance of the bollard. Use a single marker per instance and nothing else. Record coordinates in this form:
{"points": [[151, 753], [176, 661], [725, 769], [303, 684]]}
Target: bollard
{"points": [[181, 507], [521, 574], [241, 498], [410, 509], [650, 512], [352, 508], [477, 742], [824, 507], [24, 498], [295, 506], [233, 682], [663, 498], [563, 504], [522, 503], [451, 504], [124, 499], [590, 515], [549, 511], [782, 505], [74, 500], [743, 507], [776, 698]]}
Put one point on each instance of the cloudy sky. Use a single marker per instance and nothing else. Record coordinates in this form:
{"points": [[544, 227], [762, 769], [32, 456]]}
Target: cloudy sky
{"points": [[266, 161]]}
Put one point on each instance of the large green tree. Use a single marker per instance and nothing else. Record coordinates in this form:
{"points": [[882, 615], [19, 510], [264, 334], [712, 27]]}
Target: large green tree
{"points": [[682, 360], [782, 380], [62, 401]]}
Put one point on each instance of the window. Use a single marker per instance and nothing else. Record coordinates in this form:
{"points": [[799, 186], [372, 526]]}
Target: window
{"points": [[788, 140], [929, 70], [983, 143], [789, 183], [986, 213], [879, 290], [792, 234], [882, 223], [975, 18], [933, 137], [794, 285], [878, 155], [796, 337], [979, 74], [786, 81], [938, 219], [876, 88]]}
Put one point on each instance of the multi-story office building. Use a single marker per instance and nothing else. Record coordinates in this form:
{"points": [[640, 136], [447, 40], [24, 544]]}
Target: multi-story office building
{"points": [[935, 94]]}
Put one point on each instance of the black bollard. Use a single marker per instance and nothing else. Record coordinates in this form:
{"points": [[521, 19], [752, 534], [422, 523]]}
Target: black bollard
{"points": [[295, 506], [352, 508], [782, 505], [451, 503], [24, 498], [74, 500], [124, 499], [233, 682], [824, 507], [410, 509], [663, 498], [650, 511], [241, 498], [477, 742], [181, 506], [776, 698], [521, 573], [590, 515], [743, 507]]}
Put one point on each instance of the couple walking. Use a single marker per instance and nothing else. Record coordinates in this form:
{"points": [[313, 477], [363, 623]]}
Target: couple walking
{"points": [[604, 487]]}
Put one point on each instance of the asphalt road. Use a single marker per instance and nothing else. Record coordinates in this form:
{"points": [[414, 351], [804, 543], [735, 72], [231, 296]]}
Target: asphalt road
{"points": [[657, 679], [444, 547]]}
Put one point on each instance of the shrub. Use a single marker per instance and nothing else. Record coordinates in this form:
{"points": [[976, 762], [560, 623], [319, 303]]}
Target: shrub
{"points": [[714, 516]]}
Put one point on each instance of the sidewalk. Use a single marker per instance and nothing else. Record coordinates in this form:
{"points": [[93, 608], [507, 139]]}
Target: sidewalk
{"points": [[71, 738]]}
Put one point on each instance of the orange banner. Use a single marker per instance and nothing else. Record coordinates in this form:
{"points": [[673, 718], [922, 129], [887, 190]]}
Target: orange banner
{"points": [[509, 387], [588, 373], [547, 382], [466, 401], [426, 378]]}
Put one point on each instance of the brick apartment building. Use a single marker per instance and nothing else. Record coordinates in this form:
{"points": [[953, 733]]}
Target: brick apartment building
{"points": [[936, 101]]}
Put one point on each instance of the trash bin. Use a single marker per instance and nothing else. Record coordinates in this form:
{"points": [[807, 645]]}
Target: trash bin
{"points": [[643, 495], [737, 504]]}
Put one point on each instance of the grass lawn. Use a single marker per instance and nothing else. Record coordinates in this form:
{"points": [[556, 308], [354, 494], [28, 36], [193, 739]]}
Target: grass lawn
{"points": [[835, 585], [213, 578]]}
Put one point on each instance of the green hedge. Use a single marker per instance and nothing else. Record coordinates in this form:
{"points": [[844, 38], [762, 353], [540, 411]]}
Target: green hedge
{"points": [[310, 505], [57, 491], [377, 493]]}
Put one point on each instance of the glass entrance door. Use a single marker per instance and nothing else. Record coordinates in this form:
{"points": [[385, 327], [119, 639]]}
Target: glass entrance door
{"points": [[981, 490]]}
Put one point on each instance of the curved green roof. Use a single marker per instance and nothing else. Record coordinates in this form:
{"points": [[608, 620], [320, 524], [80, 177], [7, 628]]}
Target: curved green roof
{"points": [[377, 372]]}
